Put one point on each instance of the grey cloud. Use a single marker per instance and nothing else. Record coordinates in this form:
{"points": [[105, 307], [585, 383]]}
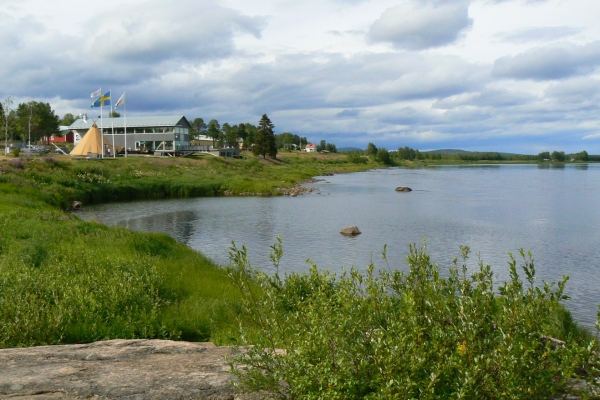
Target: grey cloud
{"points": [[420, 26], [157, 31], [488, 97], [47, 63], [551, 62], [348, 113], [539, 34], [577, 91]]}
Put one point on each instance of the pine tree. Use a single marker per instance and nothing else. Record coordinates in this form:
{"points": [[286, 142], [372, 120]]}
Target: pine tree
{"points": [[264, 140]]}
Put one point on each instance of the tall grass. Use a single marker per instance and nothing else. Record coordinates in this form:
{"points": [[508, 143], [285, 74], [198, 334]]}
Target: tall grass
{"points": [[63, 280]]}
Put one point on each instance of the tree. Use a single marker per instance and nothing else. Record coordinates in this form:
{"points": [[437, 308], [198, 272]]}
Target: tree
{"points": [[230, 134], [214, 129], [250, 133], [68, 119], [383, 156], [371, 150], [264, 141], [543, 156], [243, 134], [559, 156], [36, 120], [322, 146], [582, 156], [198, 128], [114, 114], [331, 148]]}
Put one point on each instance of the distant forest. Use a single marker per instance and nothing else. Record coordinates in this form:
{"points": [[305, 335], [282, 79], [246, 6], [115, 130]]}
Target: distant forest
{"points": [[408, 154]]}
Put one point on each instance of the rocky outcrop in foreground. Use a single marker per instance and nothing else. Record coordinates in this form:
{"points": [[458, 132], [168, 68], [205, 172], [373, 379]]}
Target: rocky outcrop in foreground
{"points": [[118, 369]]}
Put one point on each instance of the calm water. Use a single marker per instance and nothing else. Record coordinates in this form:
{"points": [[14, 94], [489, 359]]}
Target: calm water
{"points": [[552, 211]]}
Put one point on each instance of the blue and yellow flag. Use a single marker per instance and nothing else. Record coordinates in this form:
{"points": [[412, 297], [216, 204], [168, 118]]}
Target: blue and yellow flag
{"points": [[103, 100]]}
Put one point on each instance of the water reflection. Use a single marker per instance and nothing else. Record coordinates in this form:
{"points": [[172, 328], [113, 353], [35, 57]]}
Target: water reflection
{"points": [[179, 224], [581, 167]]}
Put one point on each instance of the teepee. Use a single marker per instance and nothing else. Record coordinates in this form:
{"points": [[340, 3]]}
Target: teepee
{"points": [[91, 144]]}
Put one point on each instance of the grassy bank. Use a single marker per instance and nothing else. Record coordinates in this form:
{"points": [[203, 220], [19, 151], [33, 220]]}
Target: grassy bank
{"points": [[63, 280]]}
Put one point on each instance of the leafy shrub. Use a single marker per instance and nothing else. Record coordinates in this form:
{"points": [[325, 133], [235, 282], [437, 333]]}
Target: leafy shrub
{"points": [[396, 335], [16, 152], [356, 158]]}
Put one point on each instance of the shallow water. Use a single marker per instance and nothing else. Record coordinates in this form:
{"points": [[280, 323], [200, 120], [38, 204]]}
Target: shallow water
{"points": [[552, 211]]}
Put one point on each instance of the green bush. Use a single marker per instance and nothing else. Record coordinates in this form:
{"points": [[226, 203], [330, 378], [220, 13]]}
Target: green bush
{"points": [[16, 152], [396, 335]]}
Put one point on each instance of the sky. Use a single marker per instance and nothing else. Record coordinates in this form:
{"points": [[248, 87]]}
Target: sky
{"points": [[519, 76]]}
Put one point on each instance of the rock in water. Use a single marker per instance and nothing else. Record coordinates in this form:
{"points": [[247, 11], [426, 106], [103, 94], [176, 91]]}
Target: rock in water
{"points": [[403, 189], [350, 231]]}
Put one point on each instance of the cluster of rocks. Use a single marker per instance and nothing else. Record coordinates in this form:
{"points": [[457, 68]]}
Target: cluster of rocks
{"points": [[296, 190]]}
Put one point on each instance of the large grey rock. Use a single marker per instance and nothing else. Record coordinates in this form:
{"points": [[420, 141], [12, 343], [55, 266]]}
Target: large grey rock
{"points": [[118, 369], [350, 231]]}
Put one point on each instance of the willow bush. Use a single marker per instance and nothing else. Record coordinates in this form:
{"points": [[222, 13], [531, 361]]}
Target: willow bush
{"points": [[414, 335]]}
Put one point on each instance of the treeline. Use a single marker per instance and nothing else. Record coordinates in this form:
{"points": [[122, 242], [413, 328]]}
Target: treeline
{"points": [[406, 153], [244, 135], [560, 156], [240, 135], [27, 121]]}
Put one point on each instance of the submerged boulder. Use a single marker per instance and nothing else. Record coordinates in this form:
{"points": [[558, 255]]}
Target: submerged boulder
{"points": [[350, 231], [403, 189]]}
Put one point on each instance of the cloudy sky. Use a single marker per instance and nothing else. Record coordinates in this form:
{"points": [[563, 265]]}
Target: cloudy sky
{"points": [[505, 75]]}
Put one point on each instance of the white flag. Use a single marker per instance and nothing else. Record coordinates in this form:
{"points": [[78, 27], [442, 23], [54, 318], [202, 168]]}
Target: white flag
{"points": [[96, 93], [120, 101]]}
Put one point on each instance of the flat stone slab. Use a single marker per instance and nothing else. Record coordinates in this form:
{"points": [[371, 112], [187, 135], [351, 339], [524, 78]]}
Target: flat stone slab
{"points": [[118, 369]]}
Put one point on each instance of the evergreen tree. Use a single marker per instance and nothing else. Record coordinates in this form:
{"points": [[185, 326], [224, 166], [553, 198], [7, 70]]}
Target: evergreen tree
{"points": [[264, 140]]}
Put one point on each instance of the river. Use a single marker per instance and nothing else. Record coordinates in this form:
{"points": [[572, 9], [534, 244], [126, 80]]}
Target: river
{"points": [[551, 210]]}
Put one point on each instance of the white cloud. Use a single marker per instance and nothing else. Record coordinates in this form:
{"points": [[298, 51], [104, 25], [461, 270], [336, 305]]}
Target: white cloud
{"points": [[156, 31], [539, 34], [421, 25]]}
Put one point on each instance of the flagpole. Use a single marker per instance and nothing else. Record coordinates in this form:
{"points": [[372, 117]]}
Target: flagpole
{"points": [[125, 120], [101, 124], [112, 120]]}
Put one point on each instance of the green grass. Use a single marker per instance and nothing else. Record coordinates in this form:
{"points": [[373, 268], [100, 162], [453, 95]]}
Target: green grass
{"points": [[63, 280]]}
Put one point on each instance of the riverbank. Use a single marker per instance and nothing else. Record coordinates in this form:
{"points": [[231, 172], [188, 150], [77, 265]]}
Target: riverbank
{"points": [[64, 280]]}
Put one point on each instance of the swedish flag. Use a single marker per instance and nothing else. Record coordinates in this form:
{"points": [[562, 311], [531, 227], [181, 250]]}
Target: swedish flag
{"points": [[103, 100]]}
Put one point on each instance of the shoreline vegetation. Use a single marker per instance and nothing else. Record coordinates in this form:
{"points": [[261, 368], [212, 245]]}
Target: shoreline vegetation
{"points": [[63, 280]]}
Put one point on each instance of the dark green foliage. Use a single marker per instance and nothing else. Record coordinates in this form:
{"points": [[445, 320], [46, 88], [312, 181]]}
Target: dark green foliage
{"points": [[582, 156], [264, 139], [383, 156], [559, 156], [371, 150], [543, 156], [40, 116], [396, 335]]}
